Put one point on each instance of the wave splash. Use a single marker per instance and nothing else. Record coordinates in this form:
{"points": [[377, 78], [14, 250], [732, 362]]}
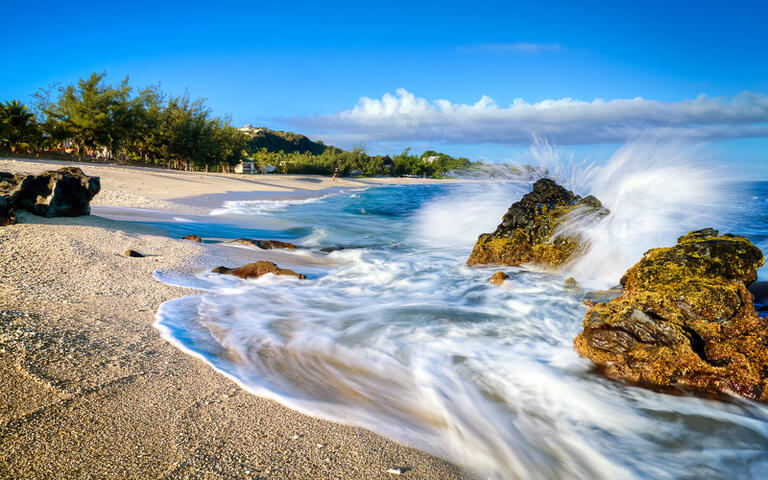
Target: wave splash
{"points": [[655, 191], [402, 338]]}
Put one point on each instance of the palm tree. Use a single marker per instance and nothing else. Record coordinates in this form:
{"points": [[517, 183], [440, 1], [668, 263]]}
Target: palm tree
{"points": [[18, 125]]}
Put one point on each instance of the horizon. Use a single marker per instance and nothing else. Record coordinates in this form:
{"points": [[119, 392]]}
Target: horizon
{"points": [[479, 84]]}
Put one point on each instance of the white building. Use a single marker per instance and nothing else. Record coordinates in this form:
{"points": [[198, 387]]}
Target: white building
{"points": [[245, 167]]}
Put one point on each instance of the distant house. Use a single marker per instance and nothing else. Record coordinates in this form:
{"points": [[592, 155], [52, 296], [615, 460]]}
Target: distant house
{"points": [[387, 162], [248, 128], [245, 167], [356, 173], [268, 169]]}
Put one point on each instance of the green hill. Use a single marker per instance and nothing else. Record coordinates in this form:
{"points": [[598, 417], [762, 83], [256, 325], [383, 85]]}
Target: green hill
{"points": [[288, 142]]}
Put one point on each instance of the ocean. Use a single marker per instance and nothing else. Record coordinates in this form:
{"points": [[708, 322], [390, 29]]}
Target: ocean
{"points": [[393, 332]]}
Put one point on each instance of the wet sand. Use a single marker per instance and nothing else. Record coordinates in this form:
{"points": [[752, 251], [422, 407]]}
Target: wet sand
{"points": [[88, 389]]}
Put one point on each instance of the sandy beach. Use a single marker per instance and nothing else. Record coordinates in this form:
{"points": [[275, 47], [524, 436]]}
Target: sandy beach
{"points": [[187, 192], [89, 389]]}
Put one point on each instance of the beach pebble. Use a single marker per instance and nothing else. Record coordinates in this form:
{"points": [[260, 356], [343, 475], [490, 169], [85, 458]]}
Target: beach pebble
{"points": [[132, 253], [321, 445], [396, 471]]}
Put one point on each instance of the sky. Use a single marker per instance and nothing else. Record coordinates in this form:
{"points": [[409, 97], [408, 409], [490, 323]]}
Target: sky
{"points": [[478, 79]]}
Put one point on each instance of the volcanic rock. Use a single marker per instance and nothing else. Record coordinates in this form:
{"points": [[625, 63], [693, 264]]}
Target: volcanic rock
{"points": [[66, 192], [528, 232], [685, 318], [257, 269], [10, 187], [265, 244], [498, 278]]}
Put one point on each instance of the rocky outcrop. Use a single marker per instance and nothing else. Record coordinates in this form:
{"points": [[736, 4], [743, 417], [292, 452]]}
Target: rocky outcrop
{"points": [[192, 237], [498, 278], [66, 192], [265, 244], [528, 232], [257, 269], [685, 318], [10, 187]]}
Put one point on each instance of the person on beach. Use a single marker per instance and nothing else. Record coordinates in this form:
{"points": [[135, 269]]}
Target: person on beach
{"points": [[334, 178]]}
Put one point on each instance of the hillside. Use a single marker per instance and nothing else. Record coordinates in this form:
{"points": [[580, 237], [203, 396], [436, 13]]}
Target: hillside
{"points": [[288, 142]]}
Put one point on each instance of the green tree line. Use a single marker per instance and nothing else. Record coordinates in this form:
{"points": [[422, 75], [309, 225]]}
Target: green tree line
{"points": [[95, 120]]}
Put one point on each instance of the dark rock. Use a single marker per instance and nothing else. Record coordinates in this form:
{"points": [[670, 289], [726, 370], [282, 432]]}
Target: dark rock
{"points": [[10, 187], [257, 269], [66, 192], [527, 232], [265, 244], [336, 249], [194, 238], [7, 215], [685, 317], [498, 278], [132, 253]]}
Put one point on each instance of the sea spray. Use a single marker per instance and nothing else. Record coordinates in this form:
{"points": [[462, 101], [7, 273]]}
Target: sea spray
{"points": [[655, 190]]}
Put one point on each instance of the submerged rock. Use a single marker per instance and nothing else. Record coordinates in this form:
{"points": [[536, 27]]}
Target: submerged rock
{"points": [[528, 231], [257, 269], [265, 244], [66, 192], [571, 285], [685, 318], [498, 278], [192, 237]]}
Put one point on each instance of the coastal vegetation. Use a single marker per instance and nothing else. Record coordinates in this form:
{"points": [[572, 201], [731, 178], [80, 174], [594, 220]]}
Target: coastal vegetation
{"points": [[97, 121]]}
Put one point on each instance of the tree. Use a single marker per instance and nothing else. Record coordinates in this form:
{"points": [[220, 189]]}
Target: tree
{"points": [[94, 114], [18, 128]]}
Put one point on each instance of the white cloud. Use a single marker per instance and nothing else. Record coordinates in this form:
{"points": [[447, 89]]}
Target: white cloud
{"points": [[406, 117]]}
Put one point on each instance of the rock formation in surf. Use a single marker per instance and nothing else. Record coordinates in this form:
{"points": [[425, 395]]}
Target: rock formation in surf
{"points": [[685, 318], [265, 244], [257, 269], [66, 192], [528, 232], [498, 278]]}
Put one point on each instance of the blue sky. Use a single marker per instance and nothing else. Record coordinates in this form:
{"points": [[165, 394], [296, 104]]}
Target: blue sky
{"points": [[306, 66]]}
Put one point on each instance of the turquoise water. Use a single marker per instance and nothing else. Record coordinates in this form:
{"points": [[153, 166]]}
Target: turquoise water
{"points": [[396, 334]]}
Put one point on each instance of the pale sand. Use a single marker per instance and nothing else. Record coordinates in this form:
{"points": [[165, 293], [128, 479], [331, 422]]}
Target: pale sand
{"points": [[155, 188], [88, 389]]}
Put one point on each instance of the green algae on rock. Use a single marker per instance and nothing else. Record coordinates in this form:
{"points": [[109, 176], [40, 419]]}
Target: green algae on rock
{"points": [[685, 318], [498, 278], [257, 269], [528, 232]]}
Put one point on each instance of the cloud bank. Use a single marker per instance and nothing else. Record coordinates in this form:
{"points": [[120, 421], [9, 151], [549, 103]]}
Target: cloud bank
{"points": [[405, 117]]}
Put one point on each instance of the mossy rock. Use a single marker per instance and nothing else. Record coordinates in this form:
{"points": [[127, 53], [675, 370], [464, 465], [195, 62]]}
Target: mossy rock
{"points": [[527, 232], [257, 269], [685, 318]]}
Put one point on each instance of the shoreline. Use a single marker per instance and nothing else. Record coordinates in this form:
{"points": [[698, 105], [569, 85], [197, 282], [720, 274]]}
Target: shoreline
{"points": [[89, 388], [194, 192]]}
